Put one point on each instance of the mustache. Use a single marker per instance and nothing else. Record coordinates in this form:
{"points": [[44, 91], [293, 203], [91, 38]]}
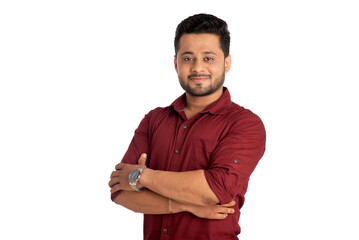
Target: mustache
{"points": [[198, 75]]}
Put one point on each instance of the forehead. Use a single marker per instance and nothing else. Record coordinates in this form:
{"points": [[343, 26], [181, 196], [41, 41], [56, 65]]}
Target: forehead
{"points": [[202, 42]]}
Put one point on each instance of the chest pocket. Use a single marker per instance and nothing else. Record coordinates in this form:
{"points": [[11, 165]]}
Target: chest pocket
{"points": [[200, 154]]}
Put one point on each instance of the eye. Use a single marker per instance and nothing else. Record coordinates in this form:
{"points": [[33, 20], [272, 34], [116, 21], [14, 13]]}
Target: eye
{"points": [[207, 59], [188, 59]]}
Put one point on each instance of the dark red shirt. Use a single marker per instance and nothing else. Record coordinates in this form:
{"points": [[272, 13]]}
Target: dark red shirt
{"points": [[226, 140]]}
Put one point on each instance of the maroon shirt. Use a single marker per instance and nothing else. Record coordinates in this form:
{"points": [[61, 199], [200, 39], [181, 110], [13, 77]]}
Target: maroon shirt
{"points": [[225, 140]]}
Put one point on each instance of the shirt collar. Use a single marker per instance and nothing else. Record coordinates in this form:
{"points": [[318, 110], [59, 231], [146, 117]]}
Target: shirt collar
{"points": [[217, 107]]}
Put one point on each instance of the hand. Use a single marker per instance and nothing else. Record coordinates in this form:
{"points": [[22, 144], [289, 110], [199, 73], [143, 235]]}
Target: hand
{"points": [[119, 178], [212, 212]]}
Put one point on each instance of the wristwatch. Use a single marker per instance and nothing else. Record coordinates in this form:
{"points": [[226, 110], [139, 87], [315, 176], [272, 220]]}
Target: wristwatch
{"points": [[133, 178]]}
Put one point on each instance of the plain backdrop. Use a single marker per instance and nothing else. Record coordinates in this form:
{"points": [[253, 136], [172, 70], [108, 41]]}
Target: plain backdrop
{"points": [[78, 76]]}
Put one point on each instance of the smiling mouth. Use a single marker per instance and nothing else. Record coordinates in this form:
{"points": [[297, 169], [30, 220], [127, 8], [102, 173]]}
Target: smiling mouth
{"points": [[198, 78]]}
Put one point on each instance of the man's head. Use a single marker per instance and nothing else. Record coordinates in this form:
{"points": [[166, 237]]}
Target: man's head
{"points": [[204, 23], [202, 54]]}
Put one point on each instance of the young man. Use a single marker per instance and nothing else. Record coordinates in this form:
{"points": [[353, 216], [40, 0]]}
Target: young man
{"points": [[188, 165]]}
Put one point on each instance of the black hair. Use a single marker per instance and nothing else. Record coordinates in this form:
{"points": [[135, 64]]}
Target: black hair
{"points": [[204, 23]]}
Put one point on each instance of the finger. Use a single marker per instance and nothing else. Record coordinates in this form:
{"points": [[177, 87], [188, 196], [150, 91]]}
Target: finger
{"points": [[221, 216], [116, 188], [226, 210], [231, 204], [114, 174], [119, 166], [113, 182], [142, 159]]}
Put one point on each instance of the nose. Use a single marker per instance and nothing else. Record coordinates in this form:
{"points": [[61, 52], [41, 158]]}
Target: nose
{"points": [[197, 67]]}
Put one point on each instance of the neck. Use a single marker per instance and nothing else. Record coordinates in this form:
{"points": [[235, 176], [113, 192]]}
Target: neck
{"points": [[196, 104]]}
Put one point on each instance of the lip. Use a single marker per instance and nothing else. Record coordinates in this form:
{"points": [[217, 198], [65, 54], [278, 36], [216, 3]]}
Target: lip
{"points": [[198, 79]]}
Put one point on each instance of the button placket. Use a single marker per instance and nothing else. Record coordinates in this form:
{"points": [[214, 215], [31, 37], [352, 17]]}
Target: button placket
{"points": [[166, 223], [182, 133]]}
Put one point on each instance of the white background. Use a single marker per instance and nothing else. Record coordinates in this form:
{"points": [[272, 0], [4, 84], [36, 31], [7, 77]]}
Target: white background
{"points": [[78, 76]]}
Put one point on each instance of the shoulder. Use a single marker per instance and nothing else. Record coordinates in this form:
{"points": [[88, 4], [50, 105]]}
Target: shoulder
{"points": [[158, 112], [152, 119], [158, 115], [240, 118]]}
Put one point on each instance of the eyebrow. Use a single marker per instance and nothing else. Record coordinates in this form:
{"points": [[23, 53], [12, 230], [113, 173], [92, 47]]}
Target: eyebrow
{"points": [[210, 52], [186, 53], [206, 52]]}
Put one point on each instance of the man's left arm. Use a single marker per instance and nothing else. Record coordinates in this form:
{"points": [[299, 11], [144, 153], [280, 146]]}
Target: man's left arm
{"points": [[232, 162]]}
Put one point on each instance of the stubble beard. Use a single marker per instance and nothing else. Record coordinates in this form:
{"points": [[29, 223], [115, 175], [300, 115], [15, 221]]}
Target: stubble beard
{"points": [[198, 90]]}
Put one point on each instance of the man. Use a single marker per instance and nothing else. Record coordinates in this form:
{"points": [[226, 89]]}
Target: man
{"points": [[188, 165]]}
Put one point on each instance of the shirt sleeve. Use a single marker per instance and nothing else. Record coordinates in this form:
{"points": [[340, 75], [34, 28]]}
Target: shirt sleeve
{"points": [[235, 157], [138, 145]]}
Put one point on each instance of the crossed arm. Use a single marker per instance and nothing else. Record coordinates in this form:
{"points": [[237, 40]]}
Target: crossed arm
{"points": [[234, 159], [188, 191]]}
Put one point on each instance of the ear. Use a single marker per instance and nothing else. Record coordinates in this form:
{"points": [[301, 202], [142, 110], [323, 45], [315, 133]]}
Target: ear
{"points": [[175, 62], [227, 63]]}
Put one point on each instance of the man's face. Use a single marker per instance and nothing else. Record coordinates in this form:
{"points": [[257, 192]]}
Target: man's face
{"points": [[200, 64]]}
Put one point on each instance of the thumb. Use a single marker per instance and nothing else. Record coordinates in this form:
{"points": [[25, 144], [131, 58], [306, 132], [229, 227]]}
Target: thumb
{"points": [[142, 159]]}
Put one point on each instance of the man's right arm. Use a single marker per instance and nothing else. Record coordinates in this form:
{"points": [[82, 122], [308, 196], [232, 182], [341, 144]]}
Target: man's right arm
{"points": [[148, 202]]}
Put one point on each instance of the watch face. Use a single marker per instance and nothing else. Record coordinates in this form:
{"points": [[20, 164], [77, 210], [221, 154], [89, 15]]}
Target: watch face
{"points": [[133, 175]]}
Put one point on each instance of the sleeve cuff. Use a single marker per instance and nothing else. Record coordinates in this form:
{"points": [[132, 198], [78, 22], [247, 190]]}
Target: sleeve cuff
{"points": [[115, 194], [223, 197]]}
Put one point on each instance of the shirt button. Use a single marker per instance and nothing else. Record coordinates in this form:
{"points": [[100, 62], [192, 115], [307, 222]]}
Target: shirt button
{"points": [[177, 150], [185, 126], [235, 160], [165, 230]]}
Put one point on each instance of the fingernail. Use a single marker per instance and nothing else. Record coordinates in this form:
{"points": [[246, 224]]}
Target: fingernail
{"points": [[144, 155]]}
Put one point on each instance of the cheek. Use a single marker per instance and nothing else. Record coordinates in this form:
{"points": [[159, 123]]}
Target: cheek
{"points": [[181, 76], [214, 68], [182, 71], [217, 69]]}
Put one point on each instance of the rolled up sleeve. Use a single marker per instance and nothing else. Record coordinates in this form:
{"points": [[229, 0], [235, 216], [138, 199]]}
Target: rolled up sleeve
{"points": [[235, 158]]}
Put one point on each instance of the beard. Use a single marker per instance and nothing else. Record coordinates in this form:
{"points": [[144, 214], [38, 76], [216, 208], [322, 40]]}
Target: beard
{"points": [[198, 90]]}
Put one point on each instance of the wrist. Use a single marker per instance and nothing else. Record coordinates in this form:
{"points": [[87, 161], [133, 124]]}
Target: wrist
{"points": [[142, 182], [133, 178], [177, 207]]}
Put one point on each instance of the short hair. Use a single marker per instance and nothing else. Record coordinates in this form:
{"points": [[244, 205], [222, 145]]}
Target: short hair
{"points": [[204, 23]]}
